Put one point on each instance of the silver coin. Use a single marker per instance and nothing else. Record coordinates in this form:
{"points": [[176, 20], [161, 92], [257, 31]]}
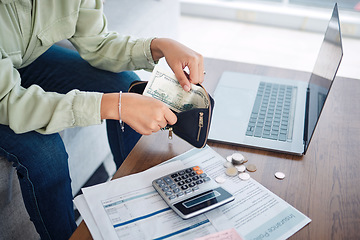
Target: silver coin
{"points": [[228, 164], [238, 158], [229, 158], [241, 168], [280, 175], [231, 171], [220, 179], [244, 176]]}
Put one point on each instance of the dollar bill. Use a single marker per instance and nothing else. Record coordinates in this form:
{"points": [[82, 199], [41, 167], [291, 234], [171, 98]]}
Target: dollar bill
{"points": [[165, 87]]}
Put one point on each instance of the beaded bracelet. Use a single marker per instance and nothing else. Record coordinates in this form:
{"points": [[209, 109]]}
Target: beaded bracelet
{"points": [[121, 122]]}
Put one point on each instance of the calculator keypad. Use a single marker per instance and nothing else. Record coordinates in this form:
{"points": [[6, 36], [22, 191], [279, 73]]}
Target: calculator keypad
{"points": [[183, 182]]}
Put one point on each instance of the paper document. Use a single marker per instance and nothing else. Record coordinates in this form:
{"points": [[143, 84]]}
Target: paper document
{"points": [[85, 212], [130, 208], [230, 234]]}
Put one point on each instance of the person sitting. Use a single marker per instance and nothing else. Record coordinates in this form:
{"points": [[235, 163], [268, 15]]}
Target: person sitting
{"points": [[45, 89]]}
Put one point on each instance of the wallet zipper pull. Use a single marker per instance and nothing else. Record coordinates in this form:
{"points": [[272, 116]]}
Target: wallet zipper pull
{"points": [[201, 124], [170, 133]]}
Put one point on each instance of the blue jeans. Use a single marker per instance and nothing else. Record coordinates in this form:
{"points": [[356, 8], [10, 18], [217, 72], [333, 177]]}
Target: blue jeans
{"points": [[41, 161]]}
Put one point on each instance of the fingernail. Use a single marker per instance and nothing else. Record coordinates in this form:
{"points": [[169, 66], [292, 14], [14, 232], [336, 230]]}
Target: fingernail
{"points": [[186, 88]]}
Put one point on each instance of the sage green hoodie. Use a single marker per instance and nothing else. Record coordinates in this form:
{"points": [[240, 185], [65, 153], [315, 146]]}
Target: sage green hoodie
{"points": [[27, 29]]}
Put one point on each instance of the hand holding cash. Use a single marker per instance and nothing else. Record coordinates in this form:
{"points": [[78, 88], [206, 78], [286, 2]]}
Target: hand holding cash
{"points": [[145, 114], [178, 57], [165, 87]]}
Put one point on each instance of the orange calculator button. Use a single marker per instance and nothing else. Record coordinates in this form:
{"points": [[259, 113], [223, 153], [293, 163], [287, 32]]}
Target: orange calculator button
{"points": [[196, 168], [198, 172]]}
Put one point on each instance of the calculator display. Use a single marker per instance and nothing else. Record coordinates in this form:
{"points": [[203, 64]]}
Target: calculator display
{"points": [[190, 192], [203, 201]]}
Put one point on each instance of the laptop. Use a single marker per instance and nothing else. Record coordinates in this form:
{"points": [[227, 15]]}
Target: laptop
{"points": [[272, 113]]}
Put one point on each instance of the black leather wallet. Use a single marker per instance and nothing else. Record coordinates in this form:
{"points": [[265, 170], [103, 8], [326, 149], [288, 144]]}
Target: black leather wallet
{"points": [[192, 125]]}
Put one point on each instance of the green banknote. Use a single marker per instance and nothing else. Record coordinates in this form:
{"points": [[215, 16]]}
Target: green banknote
{"points": [[165, 87]]}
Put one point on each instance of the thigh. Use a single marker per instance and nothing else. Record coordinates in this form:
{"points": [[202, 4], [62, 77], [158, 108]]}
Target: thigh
{"points": [[41, 157], [42, 168], [62, 70]]}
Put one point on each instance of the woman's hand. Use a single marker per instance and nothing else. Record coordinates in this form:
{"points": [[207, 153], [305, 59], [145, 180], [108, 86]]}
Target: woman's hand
{"points": [[146, 114], [142, 113], [178, 57]]}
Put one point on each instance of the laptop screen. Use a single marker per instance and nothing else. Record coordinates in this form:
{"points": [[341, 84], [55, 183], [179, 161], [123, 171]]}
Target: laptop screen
{"points": [[324, 72]]}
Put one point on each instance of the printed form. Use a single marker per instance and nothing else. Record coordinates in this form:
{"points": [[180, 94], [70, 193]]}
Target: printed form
{"points": [[130, 206]]}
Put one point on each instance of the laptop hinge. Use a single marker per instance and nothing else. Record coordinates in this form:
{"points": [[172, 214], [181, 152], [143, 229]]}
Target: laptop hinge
{"points": [[306, 122]]}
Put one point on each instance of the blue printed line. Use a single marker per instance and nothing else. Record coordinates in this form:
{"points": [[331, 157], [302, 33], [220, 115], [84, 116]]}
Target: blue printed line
{"points": [[183, 230], [128, 199], [142, 217]]}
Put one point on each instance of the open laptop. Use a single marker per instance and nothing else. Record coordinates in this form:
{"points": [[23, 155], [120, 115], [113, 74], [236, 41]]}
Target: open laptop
{"points": [[272, 113]]}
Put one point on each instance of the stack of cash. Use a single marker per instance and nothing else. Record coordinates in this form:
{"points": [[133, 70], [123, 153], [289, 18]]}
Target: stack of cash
{"points": [[165, 87]]}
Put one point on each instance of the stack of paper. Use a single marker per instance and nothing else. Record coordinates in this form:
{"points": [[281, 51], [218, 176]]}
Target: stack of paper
{"points": [[130, 208]]}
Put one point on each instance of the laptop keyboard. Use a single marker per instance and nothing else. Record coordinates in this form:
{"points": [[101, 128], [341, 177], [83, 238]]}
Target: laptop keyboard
{"points": [[272, 115]]}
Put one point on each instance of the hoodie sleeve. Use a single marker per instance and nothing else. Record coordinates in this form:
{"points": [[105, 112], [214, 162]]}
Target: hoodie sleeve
{"points": [[46, 112], [105, 49]]}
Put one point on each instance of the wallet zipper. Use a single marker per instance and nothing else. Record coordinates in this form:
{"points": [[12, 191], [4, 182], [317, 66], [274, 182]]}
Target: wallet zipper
{"points": [[201, 124], [208, 124], [170, 133], [134, 84]]}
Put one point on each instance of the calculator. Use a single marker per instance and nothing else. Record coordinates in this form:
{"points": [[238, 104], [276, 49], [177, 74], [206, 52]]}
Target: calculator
{"points": [[190, 192]]}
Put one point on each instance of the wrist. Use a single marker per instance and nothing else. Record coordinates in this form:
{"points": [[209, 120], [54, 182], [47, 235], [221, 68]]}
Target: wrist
{"points": [[156, 48], [110, 106]]}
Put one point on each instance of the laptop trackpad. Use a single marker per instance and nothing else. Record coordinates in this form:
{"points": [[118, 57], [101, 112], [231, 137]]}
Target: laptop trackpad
{"points": [[231, 113]]}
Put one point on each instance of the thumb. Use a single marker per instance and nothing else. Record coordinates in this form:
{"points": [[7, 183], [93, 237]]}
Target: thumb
{"points": [[170, 117]]}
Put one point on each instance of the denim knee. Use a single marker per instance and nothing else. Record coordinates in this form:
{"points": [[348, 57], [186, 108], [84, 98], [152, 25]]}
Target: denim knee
{"points": [[43, 156], [35, 152], [42, 166]]}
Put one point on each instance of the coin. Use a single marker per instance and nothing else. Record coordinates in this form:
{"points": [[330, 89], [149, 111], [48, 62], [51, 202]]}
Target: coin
{"points": [[229, 158], [231, 171], [220, 179], [228, 164], [251, 168], [241, 168], [280, 175], [244, 176], [238, 158]]}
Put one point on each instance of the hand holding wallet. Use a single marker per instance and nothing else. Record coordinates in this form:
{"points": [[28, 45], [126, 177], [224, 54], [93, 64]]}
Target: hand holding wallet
{"points": [[192, 125]]}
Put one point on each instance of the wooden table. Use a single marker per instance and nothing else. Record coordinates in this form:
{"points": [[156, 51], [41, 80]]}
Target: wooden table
{"points": [[324, 184]]}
